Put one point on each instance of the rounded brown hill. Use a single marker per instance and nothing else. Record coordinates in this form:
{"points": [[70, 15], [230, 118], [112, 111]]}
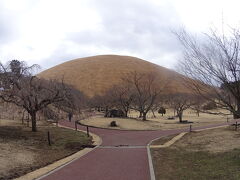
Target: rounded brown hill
{"points": [[95, 75]]}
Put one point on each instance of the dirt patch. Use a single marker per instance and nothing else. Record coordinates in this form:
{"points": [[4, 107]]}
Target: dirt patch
{"points": [[14, 156], [22, 151]]}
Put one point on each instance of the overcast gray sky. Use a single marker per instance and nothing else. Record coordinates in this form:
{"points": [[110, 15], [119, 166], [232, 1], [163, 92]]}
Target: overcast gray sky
{"points": [[49, 32]]}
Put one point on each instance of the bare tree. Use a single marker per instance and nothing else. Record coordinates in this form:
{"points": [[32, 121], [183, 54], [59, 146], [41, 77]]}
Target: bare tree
{"points": [[145, 89], [121, 96], [197, 105], [96, 102], [158, 104], [213, 63], [102, 102], [180, 102], [74, 102], [19, 87]]}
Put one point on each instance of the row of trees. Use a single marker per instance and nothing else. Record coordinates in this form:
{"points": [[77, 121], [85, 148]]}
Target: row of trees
{"points": [[19, 86], [137, 91], [142, 92]]}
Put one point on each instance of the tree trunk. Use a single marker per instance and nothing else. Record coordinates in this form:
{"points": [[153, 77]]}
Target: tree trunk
{"points": [[236, 114], [180, 116], [140, 115], [125, 113], [144, 116], [198, 113], [23, 115], [34, 121], [106, 109], [153, 113]]}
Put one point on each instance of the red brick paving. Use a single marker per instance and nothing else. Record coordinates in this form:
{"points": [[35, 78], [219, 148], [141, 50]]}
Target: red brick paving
{"points": [[114, 163], [107, 164]]}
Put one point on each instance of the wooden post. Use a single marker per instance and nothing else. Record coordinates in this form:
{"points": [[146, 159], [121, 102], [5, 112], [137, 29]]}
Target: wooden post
{"points": [[87, 131], [49, 140], [23, 116], [190, 128], [76, 125], [28, 120]]}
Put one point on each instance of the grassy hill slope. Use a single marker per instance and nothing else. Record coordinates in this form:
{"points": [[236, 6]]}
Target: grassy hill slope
{"points": [[95, 75]]}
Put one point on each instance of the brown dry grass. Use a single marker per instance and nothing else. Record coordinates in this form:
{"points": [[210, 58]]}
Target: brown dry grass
{"points": [[210, 154], [160, 122], [95, 75], [164, 139], [215, 140], [22, 151]]}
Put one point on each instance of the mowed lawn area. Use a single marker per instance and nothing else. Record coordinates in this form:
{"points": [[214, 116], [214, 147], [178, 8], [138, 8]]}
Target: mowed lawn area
{"points": [[211, 154], [158, 122], [22, 151]]}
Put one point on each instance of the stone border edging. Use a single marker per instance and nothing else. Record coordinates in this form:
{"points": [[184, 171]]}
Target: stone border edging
{"points": [[170, 142], [179, 136], [167, 144], [149, 146], [45, 171], [150, 162]]}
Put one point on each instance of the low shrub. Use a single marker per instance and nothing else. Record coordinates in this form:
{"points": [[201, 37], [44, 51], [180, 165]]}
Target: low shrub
{"points": [[113, 124], [162, 110], [209, 106]]}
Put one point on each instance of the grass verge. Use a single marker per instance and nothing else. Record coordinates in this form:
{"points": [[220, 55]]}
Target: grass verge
{"points": [[23, 151], [163, 140], [190, 158]]}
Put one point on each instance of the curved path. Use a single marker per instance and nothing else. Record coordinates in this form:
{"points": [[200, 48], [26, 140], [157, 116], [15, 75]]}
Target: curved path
{"points": [[121, 156]]}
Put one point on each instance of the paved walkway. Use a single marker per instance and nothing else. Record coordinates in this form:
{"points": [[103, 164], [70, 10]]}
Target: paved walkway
{"points": [[122, 156]]}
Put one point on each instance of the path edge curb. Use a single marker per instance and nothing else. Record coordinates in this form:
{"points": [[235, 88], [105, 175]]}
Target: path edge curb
{"points": [[150, 162], [169, 142], [36, 175]]}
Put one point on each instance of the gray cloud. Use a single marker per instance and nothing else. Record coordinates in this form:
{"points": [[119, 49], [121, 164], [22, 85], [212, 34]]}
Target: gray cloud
{"points": [[133, 27], [7, 32]]}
